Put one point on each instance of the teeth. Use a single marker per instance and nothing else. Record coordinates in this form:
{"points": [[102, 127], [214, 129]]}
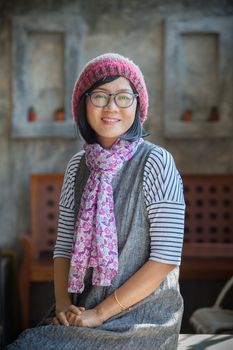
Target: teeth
{"points": [[110, 119]]}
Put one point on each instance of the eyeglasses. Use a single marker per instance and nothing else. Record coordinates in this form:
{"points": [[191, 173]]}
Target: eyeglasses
{"points": [[121, 99]]}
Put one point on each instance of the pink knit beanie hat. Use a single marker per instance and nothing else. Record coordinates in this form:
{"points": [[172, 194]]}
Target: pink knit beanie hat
{"points": [[107, 65]]}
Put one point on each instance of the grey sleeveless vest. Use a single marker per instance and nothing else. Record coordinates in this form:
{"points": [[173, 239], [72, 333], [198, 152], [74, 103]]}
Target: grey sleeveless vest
{"points": [[159, 315]]}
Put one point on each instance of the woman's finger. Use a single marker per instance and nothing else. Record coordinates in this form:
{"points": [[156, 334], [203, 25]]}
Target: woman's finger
{"points": [[74, 320], [70, 316], [76, 310], [62, 319]]}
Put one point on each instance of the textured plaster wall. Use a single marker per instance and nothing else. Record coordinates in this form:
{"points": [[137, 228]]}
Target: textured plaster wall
{"points": [[133, 28]]}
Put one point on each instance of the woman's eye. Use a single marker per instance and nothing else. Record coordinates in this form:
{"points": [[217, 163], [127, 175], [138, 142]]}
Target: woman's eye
{"points": [[124, 97], [100, 96]]}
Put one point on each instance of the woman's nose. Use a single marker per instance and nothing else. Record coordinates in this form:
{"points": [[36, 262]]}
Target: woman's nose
{"points": [[111, 103]]}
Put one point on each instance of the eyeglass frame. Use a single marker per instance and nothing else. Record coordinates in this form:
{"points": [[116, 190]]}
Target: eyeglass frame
{"points": [[134, 95]]}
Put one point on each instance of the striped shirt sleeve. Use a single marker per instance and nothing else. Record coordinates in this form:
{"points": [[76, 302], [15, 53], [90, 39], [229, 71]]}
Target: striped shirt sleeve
{"points": [[66, 221], [165, 205]]}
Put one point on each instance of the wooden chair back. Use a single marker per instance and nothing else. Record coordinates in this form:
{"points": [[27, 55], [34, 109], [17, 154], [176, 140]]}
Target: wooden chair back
{"points": [[44, 202], [209, 216]]}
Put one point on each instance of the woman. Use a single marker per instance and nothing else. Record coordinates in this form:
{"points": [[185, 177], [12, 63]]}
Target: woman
{"points": [[120, 234]]}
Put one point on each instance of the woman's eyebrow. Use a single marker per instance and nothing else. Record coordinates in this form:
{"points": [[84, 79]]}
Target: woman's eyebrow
{"points": [[118, 90]]}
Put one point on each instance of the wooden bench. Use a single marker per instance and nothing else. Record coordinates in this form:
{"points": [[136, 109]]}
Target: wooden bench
{"points": [[208, 239], [208, 242]]}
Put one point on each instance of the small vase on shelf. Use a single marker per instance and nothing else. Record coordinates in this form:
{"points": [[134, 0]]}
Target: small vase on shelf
{"points": [[31, 115], [59, 115], [187, 116]]}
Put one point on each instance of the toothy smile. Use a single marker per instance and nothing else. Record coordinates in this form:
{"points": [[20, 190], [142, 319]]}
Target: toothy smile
{"points": [[110, 120]]}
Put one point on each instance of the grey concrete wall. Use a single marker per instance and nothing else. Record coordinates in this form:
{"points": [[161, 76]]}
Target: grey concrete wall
{"points": [[134, 28]]}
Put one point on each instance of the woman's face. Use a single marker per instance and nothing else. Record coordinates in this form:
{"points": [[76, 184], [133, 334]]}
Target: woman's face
{"points": [[111, 121]]}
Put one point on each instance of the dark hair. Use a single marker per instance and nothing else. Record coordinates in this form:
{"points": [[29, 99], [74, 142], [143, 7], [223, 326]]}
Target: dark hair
{"points": [[89, 135]]}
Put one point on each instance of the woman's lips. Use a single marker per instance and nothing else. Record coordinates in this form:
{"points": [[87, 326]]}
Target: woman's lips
{"points": [[110, 120]]}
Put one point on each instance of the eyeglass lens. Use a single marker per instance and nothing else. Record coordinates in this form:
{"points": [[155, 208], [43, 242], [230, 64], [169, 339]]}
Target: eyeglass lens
{"points": [[122, 99]]}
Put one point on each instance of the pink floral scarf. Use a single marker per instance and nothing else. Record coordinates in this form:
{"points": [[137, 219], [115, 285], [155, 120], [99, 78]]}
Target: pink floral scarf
{"points": [[96, 236]]}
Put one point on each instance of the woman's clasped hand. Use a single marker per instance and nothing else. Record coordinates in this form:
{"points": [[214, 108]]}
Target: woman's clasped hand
{"points": [[78, 316]]}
